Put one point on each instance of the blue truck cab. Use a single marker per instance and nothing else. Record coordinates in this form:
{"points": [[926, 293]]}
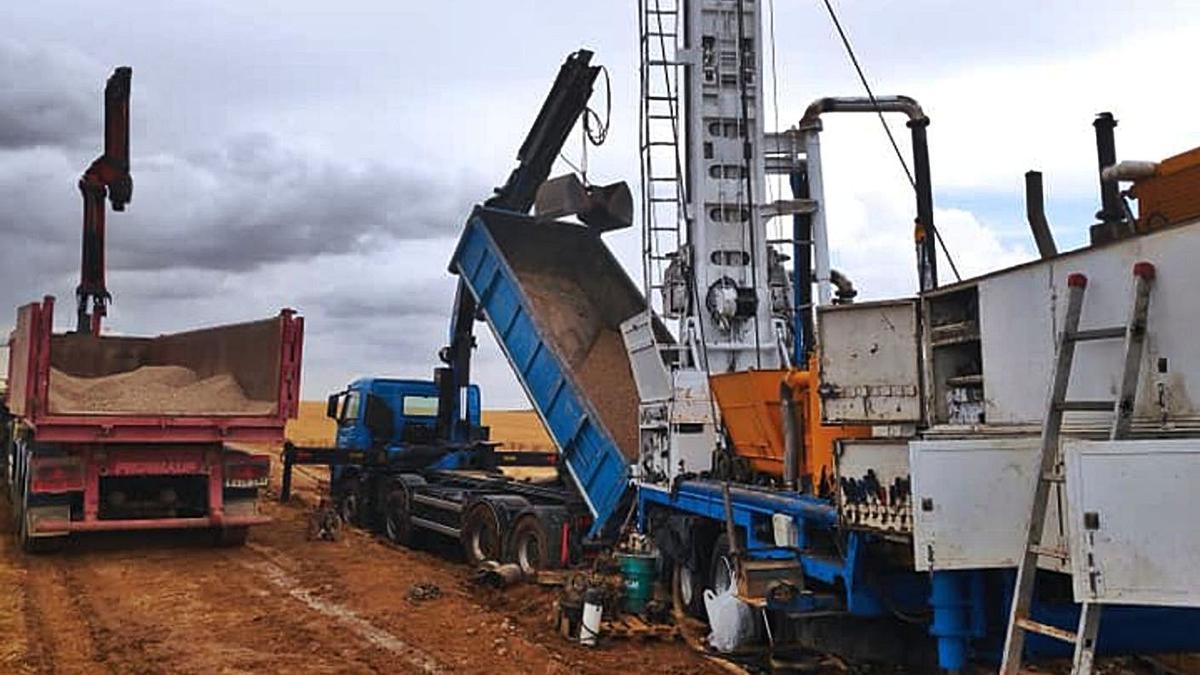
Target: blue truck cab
{"points": [[376, 412]]}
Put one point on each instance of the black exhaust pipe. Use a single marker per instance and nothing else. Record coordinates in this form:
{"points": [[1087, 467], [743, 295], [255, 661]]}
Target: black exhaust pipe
{"points": [[1110, 214], [1035, 211]]}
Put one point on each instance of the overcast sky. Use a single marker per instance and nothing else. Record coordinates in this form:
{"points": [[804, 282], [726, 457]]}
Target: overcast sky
{"points": [[324, 156]]}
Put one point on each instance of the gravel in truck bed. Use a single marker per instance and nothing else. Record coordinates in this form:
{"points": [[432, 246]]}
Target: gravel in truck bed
{"points": [[156, 390], [594, 352]]}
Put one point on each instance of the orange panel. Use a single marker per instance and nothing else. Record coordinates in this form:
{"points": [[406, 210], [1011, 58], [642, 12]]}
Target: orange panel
{"points": [[751, 410], [1172, 194]]}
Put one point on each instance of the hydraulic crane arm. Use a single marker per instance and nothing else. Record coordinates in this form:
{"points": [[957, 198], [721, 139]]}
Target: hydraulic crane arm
{"points": [[564, 104], [108, 176], [567, 100]]}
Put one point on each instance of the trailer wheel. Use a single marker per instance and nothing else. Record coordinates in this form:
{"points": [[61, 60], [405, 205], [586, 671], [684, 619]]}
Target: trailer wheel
{"points": [[531, 546], [229, 537], [481, 536], [397, 525]]}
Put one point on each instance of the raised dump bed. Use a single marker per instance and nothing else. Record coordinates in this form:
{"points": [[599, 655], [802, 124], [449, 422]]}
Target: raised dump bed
{"points": [[555, 297], [234, 382]]}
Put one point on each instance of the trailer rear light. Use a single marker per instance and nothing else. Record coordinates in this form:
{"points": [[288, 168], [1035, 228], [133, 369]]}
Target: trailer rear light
{"points": [[56, 475], [248, 473]]}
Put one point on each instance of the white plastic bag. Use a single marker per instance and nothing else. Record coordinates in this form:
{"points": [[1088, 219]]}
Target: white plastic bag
{"points": [[731, 620]]}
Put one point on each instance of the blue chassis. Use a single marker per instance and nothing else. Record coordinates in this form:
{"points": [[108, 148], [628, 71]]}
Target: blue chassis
{"points": [[969, 608]]}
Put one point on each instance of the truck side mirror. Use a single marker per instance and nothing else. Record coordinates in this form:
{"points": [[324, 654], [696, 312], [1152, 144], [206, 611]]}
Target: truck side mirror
{"points": [[331, 406]]}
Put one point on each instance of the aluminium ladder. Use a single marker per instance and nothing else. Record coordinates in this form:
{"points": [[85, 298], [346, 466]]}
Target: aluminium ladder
{"points": [[1049, 471]]}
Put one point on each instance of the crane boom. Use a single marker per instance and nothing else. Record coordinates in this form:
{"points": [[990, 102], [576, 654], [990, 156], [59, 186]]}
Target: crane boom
{"points": [[108, 176]]}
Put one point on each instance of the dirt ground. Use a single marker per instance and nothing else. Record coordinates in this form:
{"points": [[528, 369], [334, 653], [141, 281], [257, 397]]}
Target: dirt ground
{"points": [[170, 603]]}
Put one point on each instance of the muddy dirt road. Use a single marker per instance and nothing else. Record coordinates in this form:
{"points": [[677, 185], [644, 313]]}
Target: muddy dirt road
{"points": [[170, 603]]}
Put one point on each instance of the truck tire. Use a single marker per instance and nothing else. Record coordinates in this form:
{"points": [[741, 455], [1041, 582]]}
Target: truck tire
{"points": [[397, 523], [687, 590], [720, 567], [229, 537], [531, 547], [482, 538]]}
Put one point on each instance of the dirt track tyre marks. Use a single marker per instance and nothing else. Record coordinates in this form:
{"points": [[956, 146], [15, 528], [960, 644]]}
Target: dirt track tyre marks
{"points": [[125, 646], [60, 639]]}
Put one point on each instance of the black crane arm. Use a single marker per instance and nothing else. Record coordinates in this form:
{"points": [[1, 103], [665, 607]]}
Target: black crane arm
{"points": [[567, 100]]}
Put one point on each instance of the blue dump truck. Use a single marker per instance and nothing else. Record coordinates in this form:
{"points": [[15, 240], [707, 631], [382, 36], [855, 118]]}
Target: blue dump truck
{"points": [[412, 457]]}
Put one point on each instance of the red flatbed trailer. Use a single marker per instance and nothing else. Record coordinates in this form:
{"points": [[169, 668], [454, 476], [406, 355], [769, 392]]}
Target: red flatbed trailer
{"points": [[79, 470]]}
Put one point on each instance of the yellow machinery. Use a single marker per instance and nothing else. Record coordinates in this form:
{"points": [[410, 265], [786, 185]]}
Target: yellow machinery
{"points": [[753, 405], [1172, 194]]}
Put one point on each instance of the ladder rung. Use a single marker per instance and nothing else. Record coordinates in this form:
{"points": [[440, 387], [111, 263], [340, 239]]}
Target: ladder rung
{"points": [[672, 200], [1098, 334], [1047, 630], [1054, 478], [664, 229], [657, 143], [660, 117], [658, 34], [664, 179], [672, 99], [1050, 552], [1086, 406], [801, 242]]}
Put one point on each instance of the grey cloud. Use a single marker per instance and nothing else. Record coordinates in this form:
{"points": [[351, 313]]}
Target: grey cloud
{"points": [[256, 201], [424, 299], [43, 98]]}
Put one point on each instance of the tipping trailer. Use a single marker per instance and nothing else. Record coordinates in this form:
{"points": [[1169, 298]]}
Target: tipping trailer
{"points": [[136, 433], [108, 432]]}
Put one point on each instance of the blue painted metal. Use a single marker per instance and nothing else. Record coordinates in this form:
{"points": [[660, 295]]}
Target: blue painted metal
{"points": [[591, 456], [956, 614]]}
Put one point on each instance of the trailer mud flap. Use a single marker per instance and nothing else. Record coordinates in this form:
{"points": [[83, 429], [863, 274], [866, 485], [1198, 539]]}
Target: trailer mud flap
{"points": [[47, 521]]}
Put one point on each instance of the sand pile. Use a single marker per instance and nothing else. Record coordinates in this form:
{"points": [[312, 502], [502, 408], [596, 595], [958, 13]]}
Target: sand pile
{"points": [[157, 390], [595, 352]]}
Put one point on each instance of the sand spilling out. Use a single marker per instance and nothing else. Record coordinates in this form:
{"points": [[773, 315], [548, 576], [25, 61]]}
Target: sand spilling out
{"points": [[156, 390], [595, 352]]}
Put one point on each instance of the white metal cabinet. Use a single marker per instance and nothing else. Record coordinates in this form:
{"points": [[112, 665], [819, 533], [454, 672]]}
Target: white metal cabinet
{"points": [[1022, 308], [1134, 534], [869, 365], [971, 504]]}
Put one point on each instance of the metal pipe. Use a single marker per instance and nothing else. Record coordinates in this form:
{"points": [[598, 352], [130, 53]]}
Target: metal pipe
{"points": [[1035, 212], [900, 104], [802, 277], [845, 288], [926, 232], [927, 263], [1129, 170], [791, 437], [816, 190], [1106, 155]]}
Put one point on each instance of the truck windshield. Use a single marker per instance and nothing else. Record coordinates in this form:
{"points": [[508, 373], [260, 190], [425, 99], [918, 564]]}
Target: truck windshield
{"points": [[350, 408], [420, 406]]}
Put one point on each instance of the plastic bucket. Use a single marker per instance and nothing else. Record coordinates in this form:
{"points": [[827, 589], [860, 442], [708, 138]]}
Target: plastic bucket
{"points": [[637, 573]]}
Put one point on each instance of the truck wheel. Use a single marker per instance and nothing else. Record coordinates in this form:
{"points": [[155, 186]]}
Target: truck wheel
{"points": [[228, 537], [481, 535], [397, 525], [687, 590], [720, 567], [531, 546]]}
